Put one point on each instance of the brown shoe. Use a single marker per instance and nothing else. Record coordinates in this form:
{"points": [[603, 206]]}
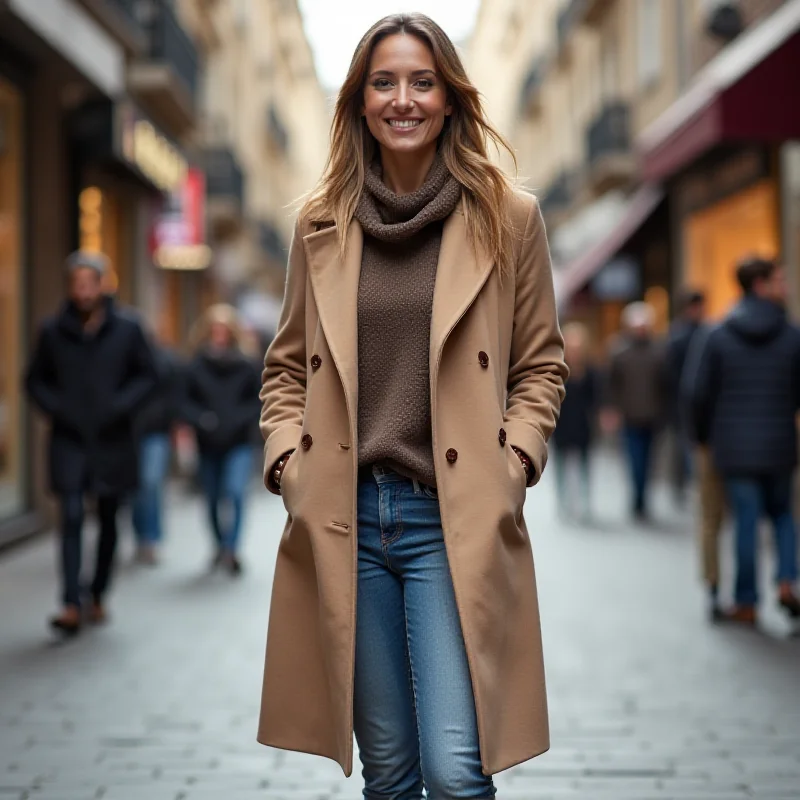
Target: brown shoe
{"points": [[68, 621], [96, 613], [744, 615]]}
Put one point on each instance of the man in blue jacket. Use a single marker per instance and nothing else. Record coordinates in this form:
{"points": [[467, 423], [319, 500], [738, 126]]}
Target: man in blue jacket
{"points": [[742, 384]]}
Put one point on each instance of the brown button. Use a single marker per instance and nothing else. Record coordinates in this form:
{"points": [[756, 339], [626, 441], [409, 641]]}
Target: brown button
{"points": [[306, 441], [502, 437], [483, 359], [316, 362], [451, 455]]}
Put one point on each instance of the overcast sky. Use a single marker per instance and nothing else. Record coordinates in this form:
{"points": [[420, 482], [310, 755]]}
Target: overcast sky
{"points": [[335, 27]]}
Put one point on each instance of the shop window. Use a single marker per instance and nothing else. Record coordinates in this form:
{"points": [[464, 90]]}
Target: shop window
{"points": [[12, 494]]}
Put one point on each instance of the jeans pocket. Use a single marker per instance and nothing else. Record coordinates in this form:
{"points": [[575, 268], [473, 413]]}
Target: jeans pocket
{"points": [[430, 492]]}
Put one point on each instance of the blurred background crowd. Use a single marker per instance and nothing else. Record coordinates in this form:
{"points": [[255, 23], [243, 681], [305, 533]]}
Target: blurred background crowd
{"points": [[165, 141]]}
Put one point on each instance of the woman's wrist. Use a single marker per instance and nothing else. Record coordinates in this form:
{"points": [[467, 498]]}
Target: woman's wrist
{"points": [[278, 467], [527, 464]]}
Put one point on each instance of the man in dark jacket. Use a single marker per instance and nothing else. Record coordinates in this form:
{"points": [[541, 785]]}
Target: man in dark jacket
{"points": [[90, 371], [742, 384]]}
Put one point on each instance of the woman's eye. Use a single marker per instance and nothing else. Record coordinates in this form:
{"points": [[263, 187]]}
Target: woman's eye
{"points": [[425, 83], [381, 83]]}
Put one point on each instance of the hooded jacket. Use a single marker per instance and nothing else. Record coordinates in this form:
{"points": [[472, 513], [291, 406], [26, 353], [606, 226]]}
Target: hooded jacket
{"points": [[742, 389]]}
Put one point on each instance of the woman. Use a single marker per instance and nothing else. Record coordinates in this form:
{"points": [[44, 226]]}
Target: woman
{"points": [[573, 435], [408, 396], [222, 386]]}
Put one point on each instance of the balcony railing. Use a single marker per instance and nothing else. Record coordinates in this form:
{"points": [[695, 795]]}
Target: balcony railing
{"points": [[276, 129], [529, 92], [609, 134], [168, 42], [224, 177], [559, 195]]}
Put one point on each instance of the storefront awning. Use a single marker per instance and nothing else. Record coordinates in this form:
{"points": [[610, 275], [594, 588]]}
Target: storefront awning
{"points": [[572, 276], [747, 92]]}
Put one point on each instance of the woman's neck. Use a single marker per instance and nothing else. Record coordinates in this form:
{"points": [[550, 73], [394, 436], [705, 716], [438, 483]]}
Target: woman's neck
{"points": [[404, 173]]}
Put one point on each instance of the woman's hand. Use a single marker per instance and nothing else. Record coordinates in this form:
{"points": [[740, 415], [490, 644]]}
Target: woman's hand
{"points": [[277, 470], [526, 463]]}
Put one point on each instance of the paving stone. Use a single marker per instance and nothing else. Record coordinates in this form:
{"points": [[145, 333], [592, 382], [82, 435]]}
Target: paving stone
{"points": [[647, 701]]}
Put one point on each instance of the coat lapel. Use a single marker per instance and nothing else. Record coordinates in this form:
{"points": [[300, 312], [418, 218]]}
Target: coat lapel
{"points": [[335, 284], [461, 274]]}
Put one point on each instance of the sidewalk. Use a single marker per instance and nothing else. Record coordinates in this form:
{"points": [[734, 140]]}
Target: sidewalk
{"points": [[647, 701]]}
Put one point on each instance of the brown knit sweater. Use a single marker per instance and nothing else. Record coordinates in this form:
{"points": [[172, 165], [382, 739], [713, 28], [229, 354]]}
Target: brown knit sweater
{"points": [[402, 235]]}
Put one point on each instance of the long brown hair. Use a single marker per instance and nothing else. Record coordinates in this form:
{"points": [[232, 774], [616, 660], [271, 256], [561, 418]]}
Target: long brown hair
{"points": [[463, 143]]}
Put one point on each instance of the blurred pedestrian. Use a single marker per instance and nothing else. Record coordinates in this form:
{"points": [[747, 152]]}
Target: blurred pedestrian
{"points": [[743, 390], [155, 423], [408, 397], [90, 372], [221, 403], [637, 389], [683, 331], [572, 437]]}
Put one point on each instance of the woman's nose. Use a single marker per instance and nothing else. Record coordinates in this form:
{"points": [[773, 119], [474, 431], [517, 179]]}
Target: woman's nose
{"points": [[403, 101]]}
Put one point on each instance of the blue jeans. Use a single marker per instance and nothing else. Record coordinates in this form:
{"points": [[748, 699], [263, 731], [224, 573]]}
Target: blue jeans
{"points": [[639, 443], [415, 719], [225, 478], [148, 502], [751, 498]]}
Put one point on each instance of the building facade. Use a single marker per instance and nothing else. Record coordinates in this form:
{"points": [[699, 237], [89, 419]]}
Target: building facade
{"points": [[658, 135], [171, 135]]}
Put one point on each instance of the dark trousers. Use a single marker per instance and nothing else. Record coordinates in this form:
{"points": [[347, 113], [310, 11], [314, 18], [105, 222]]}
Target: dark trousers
{"points": [[639, 444], [751, 499], [72, 541]]}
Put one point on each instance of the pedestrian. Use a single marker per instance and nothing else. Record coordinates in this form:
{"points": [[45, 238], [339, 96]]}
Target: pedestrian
{"points": [[684, 332], [637, 388], [90, 372], [408, 396], [155, 424], [684, 329], [743, 390], [572, 437], [221, 404]]}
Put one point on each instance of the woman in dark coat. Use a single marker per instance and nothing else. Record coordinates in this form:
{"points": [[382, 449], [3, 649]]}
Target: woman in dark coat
{"points": [[573, 435], [222, 405]]}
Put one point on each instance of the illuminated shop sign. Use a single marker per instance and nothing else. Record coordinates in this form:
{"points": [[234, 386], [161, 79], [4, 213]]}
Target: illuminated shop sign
{"points": [[152, 154]]}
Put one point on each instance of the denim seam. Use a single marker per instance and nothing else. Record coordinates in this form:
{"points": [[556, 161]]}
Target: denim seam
{"points": [[398, 522]]}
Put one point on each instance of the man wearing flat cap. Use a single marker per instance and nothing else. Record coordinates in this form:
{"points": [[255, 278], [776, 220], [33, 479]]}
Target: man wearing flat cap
{"points": [[90, 372]]}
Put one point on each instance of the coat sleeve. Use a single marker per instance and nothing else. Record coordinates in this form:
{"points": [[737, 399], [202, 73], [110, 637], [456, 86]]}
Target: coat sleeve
{"points": [[537, 371], [40, 384], [141, 381], [283, 381]]}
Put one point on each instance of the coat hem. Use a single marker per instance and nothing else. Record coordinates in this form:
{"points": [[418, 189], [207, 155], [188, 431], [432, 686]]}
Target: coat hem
{"points": [[516, 762], [267, 743]]}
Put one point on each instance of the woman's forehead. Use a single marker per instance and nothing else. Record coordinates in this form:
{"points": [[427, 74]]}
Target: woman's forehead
{"points": [[402, 52]]}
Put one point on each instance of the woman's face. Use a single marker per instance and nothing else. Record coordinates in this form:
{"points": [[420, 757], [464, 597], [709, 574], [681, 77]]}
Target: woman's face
{"points": [[219, 336], [405, 99]]}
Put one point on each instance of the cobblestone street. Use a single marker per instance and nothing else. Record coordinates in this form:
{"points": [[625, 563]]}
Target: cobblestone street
{"points": [[647, 700]]}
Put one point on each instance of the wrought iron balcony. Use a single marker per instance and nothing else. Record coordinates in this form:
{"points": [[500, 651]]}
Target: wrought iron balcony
{"points": [[530, 94], [608, 147], [560, 194], [166, 76], [225, 190], [276, 129]]}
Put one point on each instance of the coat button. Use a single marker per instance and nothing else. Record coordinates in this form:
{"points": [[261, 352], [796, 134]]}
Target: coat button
{"points": [[306, 441], [316, 362], [451, 455], [502, 437], [483, 359]]}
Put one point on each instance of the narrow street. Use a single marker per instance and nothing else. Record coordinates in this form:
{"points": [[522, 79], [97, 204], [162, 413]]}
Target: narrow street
{"points": [[647, 700]]}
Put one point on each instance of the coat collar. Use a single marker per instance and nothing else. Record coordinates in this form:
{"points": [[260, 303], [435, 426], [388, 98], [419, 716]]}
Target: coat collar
{"points": [[461, 273]]}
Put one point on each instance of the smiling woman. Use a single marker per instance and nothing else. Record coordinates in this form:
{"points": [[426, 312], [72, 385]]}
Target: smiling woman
{"points": [[408, 396]]}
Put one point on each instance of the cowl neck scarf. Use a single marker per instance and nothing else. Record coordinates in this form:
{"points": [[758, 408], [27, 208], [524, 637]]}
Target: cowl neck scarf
{"points": [[391, 217]]}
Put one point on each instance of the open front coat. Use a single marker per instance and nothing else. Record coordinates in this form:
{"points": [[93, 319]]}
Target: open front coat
{"points": [[497, 376]]}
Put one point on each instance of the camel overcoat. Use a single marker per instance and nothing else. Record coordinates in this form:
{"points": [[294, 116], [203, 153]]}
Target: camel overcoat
{"points": [[497, 379]]}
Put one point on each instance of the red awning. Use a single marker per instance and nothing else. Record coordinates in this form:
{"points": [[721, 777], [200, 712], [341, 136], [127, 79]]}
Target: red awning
{"points": [[746, 93], [570, 278]]}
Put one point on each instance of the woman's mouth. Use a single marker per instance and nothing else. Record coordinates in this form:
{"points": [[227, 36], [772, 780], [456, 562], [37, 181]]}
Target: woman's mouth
{"points": [[404, 124]]}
